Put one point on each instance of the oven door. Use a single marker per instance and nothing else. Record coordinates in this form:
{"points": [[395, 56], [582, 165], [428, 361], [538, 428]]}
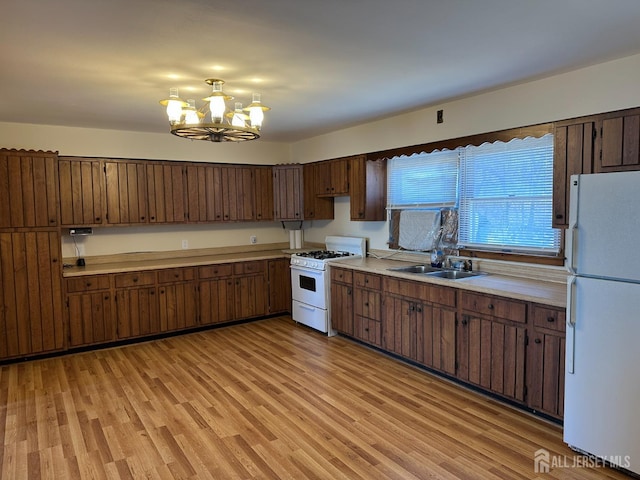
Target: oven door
{"points": [[309, 286]]}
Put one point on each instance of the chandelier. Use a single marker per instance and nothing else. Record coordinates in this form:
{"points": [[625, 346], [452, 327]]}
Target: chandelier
{"points": [[225, 126]]}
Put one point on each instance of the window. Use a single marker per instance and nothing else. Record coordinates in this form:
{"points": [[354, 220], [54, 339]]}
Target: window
{"points": [[506, 196], [426, 180], [502, 191]]}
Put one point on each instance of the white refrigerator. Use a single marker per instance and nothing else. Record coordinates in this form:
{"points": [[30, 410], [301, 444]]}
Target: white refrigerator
{"points": [[602, 381]]}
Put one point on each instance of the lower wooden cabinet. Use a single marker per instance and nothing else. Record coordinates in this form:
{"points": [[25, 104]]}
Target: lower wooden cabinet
{"points": [[341, 310], [279, 285], [545, 360], [491, 344], [177, 300], [31, 302], [510, 348], [137, 312], [90, 312]]}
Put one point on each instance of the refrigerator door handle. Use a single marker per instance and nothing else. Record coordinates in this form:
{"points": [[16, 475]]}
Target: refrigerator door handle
{"points": [[573, 248], [571, 325]]}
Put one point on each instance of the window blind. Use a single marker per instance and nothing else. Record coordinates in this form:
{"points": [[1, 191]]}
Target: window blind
{"points": [[426, 180], [506, 196]]}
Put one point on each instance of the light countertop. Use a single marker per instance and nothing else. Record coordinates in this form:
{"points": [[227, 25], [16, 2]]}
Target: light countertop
{"points": [[538, 291]]}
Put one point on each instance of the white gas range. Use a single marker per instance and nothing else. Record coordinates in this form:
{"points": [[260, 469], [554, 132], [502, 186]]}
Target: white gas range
{"points": [[310, 280]]}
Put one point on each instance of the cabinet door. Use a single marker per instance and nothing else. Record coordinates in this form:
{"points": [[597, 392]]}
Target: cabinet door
{"points": [[166, 193], [90, 317], [367, 189], [28, 189], [31, 313], [137, 312], [177, 306], [342, 307], [263, 193], [367, 330], [491, 354], [81, 192], [436, 331], [216, 300], [619, 142], [333, 177], [315, 208], [573, 153], [545, 360], [279, 286], [250, 296], [400, 328], [126, 192], [198, 200], [287, 192]]}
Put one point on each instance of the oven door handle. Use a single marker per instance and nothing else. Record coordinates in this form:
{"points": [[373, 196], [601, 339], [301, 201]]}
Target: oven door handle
{"points": [[308, 271], [307, 307]]}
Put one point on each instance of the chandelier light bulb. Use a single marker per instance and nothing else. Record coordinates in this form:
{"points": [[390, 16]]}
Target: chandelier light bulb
{"points": [[238, 118], [190, 113], [256, 112], [174, 106]]}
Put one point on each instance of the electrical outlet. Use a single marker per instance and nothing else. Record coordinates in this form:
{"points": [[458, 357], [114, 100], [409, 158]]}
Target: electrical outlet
{"points": [[185, 244], [253, 239], [440, 116]]}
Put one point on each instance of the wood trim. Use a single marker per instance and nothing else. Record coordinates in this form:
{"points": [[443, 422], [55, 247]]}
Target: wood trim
{"points": [[515, 257], [453, 143]]}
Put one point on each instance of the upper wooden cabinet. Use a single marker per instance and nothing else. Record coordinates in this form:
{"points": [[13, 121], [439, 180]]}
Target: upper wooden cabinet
{"points": [[608, 142], [287, 192], [166, 193], [28, 189], [126, 192], [368, 189], [573, 153], [315, 207], [81, 191], [619, 141], [333, 177], [263, 193]]}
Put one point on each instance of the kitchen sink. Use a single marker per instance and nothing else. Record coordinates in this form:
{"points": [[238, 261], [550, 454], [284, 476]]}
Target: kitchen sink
{"points": [[436, 272], [454, 274], [416, 269]]}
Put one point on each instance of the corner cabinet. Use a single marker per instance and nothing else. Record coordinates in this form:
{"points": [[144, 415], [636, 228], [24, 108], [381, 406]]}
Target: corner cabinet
{"points": [[315, 207], [619, 141]]}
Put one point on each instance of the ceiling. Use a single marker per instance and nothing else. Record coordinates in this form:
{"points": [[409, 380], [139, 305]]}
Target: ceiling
{"points": [[320, 65]]}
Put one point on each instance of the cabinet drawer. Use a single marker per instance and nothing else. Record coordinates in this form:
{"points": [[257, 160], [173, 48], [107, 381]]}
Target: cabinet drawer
{"points": [[546, 317], [243, 268], [407, 288], [175, 275], [442, 295], [341, 275], [366, 280], [214, 271], [87, 284], [135, 279], [494, 306]]}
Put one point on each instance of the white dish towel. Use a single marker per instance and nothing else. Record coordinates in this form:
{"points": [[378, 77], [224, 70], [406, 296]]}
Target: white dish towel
{"points": [[419, 229]]}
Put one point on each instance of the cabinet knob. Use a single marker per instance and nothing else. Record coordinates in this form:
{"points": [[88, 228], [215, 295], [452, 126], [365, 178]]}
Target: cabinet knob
{"points": [[366, 304], [97, 219], [464, 321], [559, 216], [490, 306], [88, 284], [551, 319], [537, 340], [135, 279]]}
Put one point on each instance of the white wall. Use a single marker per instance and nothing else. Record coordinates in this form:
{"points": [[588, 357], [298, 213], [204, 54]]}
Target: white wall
{"points": [[595, 89], [91, 142]]}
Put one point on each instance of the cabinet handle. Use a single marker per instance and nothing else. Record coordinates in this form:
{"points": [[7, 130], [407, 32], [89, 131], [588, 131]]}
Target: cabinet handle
{"points": [[153, 218], [135, 279], [490, 306], [366, 304], [97, 219], [419, 309], [106, 297], [551, 319], [537, 340], [559, 216], [366, 329], [88, 284], [366, 280], [176, 275], [464, 321], [348, 291]]}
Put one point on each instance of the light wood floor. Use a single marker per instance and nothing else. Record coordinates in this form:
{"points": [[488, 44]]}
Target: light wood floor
{"points": [[268, 399]]}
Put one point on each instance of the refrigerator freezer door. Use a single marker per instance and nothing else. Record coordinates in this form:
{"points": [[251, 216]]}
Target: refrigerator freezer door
{"points": [[602, 394], [604, 225]]}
